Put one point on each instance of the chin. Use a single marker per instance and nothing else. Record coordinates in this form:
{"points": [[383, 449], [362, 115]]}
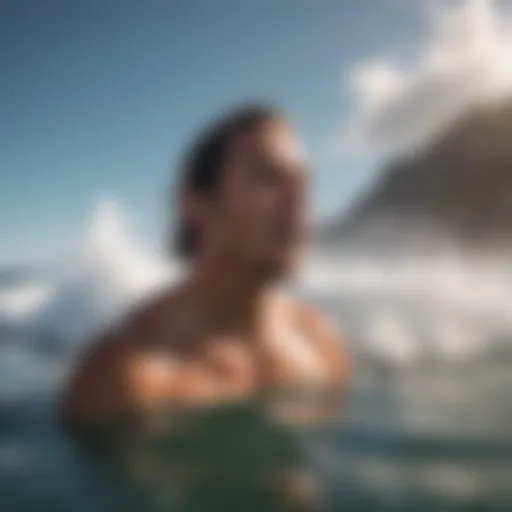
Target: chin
{"points": [[283, 266]]}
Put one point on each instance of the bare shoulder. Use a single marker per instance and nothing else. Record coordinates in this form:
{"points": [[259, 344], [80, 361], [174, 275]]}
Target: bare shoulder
{"points": [[96, 386], [100, 385], [327, 339]]}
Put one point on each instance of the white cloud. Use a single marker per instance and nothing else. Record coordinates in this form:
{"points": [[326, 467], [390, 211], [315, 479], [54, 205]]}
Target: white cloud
{"points": [[466, 59]]}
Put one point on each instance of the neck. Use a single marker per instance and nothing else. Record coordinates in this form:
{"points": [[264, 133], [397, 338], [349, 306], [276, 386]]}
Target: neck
{"points": [[229, 296]]}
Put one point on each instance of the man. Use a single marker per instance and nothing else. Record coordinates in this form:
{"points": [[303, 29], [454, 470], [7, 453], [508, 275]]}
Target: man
{"points": [[225, 332]]}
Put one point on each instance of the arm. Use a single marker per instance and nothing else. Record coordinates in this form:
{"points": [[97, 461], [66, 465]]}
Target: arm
{"points": [[333, 349], [98, 388], [333, 352]]}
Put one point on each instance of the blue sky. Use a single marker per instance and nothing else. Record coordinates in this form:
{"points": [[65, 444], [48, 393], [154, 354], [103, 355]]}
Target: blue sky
{"points": [[97, 97]]}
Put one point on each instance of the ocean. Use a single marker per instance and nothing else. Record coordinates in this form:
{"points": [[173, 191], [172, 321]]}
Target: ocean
{"points": [[426, 425]]}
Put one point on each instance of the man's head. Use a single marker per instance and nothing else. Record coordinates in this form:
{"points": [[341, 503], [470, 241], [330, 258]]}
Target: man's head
{"points": [[243, 195]]}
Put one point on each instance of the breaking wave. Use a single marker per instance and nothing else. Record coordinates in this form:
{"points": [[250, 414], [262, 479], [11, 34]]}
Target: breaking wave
{"points": [[399, 313]]}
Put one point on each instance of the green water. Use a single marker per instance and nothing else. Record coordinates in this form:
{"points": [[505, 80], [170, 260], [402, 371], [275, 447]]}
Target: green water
{"points": [[426, 440]]}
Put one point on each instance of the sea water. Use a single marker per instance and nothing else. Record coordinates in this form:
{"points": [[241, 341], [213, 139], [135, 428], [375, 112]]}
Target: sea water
{"points": [[426, 424]]}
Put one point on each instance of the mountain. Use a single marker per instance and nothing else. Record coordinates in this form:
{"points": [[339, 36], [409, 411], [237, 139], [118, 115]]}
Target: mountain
{"points": [[457, 188]]}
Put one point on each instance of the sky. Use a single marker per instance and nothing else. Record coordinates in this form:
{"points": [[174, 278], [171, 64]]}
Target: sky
{"points": [[98, 97]]}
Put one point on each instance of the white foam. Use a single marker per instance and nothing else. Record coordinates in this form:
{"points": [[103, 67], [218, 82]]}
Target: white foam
{"points": [[17, 303], [449, 308], [105, 273]]}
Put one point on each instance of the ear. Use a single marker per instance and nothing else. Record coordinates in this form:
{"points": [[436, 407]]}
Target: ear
{"points": [[194, 208]]}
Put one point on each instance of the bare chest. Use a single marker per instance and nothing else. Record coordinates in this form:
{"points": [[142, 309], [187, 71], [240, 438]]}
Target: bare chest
{"points": [[225, 369]]}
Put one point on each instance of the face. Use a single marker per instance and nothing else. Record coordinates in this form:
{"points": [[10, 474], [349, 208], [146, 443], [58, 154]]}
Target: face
{"points": [[259, 215]]}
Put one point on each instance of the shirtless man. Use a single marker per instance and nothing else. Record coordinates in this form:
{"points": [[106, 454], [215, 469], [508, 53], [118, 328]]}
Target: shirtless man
{"points": [[227, 331]]}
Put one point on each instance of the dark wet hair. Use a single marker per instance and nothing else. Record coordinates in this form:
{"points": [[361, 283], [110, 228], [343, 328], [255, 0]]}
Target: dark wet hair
{"points": [[202, 165]]}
